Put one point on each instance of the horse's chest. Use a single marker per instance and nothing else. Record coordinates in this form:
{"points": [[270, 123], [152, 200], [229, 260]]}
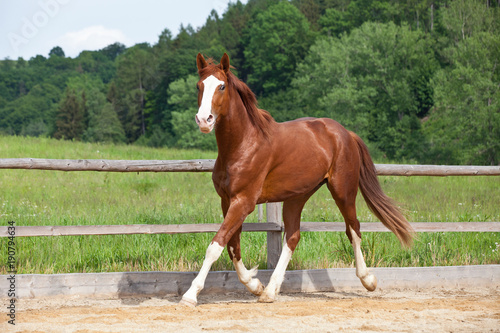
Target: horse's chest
{"points": [[232, 181], [221, 181]]}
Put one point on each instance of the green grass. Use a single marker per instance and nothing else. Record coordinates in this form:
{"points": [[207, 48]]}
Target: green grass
{"points": [[33, 197]]}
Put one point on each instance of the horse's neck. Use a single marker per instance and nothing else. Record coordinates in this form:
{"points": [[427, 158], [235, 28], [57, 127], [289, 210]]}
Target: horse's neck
{"points": [[235, 130]]}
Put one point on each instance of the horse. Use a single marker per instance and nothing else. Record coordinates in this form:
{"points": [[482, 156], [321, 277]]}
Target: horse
{"points": [[260, 160]]}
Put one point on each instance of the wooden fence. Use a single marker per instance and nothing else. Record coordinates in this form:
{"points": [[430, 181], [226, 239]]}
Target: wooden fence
{"points": [[273, 225], [207, 165]]}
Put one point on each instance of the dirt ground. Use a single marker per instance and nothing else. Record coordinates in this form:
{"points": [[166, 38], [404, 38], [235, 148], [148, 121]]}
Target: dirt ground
{"points": [[430, 310]]}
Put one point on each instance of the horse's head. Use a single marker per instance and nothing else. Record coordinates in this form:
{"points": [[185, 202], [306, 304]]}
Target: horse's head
{"points": [[212, 93]]}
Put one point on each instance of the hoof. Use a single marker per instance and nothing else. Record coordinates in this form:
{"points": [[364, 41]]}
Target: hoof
{"points": [[265, 298], [254, 285], [369, 282], [257, 291], [188, 302]]}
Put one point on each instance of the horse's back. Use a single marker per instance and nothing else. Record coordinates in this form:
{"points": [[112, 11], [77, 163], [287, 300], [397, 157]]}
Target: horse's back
{"points": [[302, 154], [317, 134]]}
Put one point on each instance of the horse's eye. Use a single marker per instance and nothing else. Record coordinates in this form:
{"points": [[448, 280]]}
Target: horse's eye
{"points": [[222, 87], [197, 87]]}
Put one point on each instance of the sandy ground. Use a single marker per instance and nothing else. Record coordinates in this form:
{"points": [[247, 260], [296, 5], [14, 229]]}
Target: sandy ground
{"points": [[430, 310]]}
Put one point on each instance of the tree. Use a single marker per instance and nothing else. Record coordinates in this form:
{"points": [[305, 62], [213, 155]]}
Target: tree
{"points": [[114, 50], [96, 63], [311, 10], [70, 117], [35, 128], [174, 65], [136, 74], [102, 120], [24, 115], [209, 41], [366, 80], [57, 52], [104, 126], [464, 127], [334, 22], [233, 23], [276, 41], [463, 18]]}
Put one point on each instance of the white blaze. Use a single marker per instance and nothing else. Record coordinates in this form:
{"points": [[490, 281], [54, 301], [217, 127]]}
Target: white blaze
{"points": [[210, 85]]}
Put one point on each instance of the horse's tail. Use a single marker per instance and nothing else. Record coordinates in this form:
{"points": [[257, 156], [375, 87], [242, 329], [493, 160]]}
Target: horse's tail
{"points": [[379, 203]]}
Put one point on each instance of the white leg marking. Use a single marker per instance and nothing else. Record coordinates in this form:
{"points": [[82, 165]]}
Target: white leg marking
{"points": [[214, 251], [368, 280], [246, 277], [278, 276]]}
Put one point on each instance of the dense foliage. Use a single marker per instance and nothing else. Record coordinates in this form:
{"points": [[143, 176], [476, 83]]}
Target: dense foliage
{"points": [[418, 80]]}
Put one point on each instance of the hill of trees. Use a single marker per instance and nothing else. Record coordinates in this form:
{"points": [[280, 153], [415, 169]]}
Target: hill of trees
{"points": [[419, 80]]}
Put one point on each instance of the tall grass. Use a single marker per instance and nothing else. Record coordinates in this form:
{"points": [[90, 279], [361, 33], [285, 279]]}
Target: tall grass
{"points": [[31, 197]]}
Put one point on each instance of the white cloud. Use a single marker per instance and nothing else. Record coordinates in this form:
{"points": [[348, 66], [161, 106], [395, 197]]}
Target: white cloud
{"points": [[91, 38]]}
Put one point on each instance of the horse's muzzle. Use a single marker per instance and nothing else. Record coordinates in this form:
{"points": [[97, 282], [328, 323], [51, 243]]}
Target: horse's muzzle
{"points": [[205, 124]]}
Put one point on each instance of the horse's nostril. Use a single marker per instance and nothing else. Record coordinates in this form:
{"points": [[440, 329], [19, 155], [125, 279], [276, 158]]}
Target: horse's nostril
{"points": [[210, 118], [196, 119]]}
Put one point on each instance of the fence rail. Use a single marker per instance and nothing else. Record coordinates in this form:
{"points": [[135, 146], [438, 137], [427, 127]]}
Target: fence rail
{"points": [[274, 224], [171, 229], [208, 165], [108, 165]]}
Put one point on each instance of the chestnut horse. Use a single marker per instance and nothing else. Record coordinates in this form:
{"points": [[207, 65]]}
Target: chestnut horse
{"points": [[260, 160]]}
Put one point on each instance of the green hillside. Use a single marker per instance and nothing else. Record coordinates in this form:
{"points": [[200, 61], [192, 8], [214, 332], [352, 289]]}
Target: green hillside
{"points": [[418, 80]]}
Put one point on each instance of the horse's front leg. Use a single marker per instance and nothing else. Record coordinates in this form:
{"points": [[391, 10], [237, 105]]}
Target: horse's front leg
{"points": [[233, 221], [213, 253]]}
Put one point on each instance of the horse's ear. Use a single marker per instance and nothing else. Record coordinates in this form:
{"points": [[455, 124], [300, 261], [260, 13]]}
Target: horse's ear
{"points": [[224, 63], [201, 62]]}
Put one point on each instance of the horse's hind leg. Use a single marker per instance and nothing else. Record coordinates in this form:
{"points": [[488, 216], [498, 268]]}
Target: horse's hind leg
{"points": [[368, 280], [244, 275], [344, 192]]}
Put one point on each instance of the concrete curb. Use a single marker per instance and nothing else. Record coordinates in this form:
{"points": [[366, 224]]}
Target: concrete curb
{"points": [[126, 284]]}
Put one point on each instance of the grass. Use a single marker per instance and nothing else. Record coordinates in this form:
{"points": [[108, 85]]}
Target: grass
{"points": [[31, 197]]}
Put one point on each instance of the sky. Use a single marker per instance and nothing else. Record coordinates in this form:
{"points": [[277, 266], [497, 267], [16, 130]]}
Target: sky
{"points": [[32, 27]]}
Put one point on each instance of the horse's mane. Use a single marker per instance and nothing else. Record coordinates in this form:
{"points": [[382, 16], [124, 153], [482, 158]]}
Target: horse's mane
{"points": [[260, 119]]}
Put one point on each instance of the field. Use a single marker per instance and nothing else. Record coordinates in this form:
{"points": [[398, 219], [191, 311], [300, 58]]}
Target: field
{"points": [[31, 197]]}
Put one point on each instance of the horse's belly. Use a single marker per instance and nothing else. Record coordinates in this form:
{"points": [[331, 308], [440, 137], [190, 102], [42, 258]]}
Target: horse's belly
{"points": [[280, 186]]}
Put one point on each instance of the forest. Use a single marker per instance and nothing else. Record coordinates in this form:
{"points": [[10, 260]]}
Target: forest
{"points": [[418, 80]]}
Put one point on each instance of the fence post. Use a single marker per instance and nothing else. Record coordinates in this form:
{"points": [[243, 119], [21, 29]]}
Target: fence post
{"points": [[274, 238], [260, 213]]}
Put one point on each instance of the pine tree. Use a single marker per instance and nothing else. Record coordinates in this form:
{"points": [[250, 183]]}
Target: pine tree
{"points": [[70, 118], [109, 128]]}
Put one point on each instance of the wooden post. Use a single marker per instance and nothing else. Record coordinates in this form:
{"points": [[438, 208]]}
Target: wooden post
{"points": [[274, 238], [260, 213]]}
